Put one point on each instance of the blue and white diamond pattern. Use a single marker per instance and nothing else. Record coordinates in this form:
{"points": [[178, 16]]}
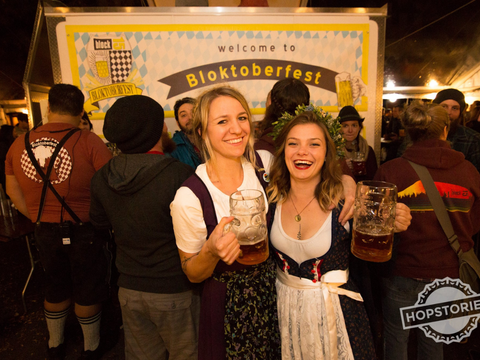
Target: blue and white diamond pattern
{"points": [[157, 54]]}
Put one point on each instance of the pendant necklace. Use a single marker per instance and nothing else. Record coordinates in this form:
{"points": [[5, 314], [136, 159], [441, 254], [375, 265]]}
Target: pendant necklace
{"points": [[298, 218]]}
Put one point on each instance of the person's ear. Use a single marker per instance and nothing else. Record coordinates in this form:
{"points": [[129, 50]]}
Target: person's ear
{"points": [[444, 135]]}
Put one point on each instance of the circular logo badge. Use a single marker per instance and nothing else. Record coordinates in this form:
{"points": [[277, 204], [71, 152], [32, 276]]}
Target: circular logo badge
{"points": [[446, 310]]}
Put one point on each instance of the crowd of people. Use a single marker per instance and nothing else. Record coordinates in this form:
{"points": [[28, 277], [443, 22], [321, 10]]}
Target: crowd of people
{"points": [[164, 202]]}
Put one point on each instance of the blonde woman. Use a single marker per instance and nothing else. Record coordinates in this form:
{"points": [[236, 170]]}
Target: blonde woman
{"points": [[223, 130], [238, 312]]}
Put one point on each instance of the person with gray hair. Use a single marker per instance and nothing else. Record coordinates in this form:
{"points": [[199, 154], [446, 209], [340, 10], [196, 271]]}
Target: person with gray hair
{"points": [[132, 194]]}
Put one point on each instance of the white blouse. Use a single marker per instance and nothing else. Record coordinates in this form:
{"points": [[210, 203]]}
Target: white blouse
{"points": [[187, 214], [301, 250]]}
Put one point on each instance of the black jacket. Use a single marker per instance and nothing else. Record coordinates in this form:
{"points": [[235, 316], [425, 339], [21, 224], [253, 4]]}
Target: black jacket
{"points": [[132, 194]]}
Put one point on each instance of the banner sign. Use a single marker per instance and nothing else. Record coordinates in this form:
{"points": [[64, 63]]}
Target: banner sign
{"points": [[167, 63], [171, 56], [255, 69]]}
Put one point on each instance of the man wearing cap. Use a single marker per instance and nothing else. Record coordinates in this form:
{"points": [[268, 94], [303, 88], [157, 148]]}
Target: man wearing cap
{"points": [[71, 250], [186, 150], [132, 195], [461, 138]]}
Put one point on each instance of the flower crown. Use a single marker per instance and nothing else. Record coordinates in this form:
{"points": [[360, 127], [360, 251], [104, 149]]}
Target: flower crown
{"points": [[333, 125]]}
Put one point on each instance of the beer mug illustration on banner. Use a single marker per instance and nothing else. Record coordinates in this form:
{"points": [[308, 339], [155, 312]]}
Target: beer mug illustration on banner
{"points": [[349, 89], [249, 225], [101, 65], [343, 84], [374, 220]]}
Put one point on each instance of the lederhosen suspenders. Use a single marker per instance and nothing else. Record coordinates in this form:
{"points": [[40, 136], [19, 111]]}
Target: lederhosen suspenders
{"points": [[46, 176]]}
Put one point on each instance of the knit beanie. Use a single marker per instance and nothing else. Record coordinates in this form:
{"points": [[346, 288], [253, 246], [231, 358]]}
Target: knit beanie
{"points": [[349, 113], [451, 94], [134, 123]]}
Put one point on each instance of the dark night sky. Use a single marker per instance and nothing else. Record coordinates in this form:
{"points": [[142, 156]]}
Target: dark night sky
{"points": [[443, 50]]}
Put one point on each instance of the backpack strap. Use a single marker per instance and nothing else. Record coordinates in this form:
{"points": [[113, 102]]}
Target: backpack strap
{"points": [[438, 205], [46, 176]]}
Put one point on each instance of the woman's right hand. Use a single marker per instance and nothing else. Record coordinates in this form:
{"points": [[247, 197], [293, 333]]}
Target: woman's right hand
{"points": [[224, 246]]}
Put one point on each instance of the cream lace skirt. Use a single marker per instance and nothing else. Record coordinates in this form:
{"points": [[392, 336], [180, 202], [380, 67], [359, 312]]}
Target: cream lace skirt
{"points": [[308, 330]]}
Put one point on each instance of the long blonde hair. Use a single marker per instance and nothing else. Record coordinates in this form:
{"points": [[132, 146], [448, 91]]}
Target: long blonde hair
{"points": [[329, 189], [200, 122]]}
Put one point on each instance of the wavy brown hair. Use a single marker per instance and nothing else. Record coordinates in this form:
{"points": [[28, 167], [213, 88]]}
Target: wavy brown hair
{"points": [[200, 122], [329, 190]]}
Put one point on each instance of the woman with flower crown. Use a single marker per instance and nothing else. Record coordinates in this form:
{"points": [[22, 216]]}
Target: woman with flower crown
{"points": [[321, 314], [238, 311]]}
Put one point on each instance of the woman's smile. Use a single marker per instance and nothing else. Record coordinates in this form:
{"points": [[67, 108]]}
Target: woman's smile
{"points": [[228, 127]]}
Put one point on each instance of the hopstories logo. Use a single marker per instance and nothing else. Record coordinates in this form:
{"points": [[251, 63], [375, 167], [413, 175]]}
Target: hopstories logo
{"points": [[447, 311]]}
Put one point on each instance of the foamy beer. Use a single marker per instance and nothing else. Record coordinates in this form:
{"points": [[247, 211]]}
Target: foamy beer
{"points": [[249, 225], [374, 220], [343, 84]]}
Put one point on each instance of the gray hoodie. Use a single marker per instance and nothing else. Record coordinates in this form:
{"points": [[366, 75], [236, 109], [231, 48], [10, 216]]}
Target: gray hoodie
{"points": [[132, 194]]}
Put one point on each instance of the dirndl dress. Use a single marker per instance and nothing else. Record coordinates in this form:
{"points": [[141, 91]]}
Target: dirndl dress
{"points": [[321, 314]]}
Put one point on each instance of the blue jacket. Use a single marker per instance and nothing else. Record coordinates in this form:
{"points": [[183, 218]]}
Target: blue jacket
{"points": [[185, 152]]}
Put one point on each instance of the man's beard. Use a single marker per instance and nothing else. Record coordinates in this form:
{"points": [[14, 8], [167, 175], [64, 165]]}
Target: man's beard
{"points": [[168, 145], [188, 131]]}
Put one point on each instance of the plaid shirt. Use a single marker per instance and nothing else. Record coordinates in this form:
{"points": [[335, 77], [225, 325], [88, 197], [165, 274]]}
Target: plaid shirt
{"points": [[467, 141]]}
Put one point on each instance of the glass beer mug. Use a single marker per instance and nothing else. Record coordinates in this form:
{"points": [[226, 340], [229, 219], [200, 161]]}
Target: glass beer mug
{"points": [[249, 225], [358, 164], [374, 220]]}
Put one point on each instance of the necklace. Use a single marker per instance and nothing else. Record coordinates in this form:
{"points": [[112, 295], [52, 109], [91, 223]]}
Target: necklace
{"points": [[298, 218]]}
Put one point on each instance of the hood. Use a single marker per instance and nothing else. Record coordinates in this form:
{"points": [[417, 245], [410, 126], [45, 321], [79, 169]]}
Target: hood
{"points": [[435, 154], [128, 173]]}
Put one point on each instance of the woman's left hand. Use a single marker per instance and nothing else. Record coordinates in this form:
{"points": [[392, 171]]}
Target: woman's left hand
{"points": [[403, 218]]}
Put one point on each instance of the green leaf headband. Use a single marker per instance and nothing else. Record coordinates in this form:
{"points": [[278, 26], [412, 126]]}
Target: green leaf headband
{"points": [[333, 125]]}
